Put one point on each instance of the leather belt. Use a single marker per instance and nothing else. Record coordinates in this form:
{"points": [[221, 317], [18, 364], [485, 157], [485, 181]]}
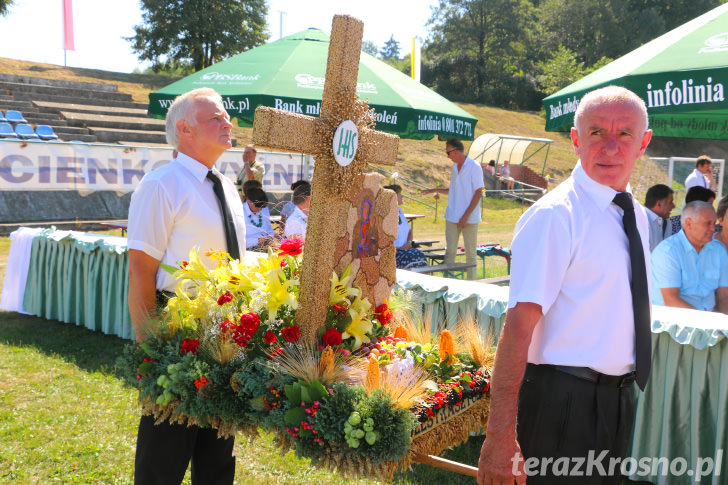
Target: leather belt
{"points": [[593, 376]]}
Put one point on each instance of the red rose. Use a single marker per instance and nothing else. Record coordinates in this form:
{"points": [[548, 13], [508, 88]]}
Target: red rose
{"points": [[291, 334], [201, 383], [270, 337], [225, 298], [249, 323], [331, 337], [291, 247], [189, 346]]}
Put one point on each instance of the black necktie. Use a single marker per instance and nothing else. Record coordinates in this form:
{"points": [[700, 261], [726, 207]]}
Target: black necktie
{"points": [[230, 234], [638, 285], [664, 226]]}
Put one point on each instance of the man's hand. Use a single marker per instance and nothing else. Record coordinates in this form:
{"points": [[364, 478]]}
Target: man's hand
{"points": [[500, 465], [463, 221]]}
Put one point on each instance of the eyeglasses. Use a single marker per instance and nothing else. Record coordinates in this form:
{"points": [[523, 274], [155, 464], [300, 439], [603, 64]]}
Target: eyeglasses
{"points": [[449, 151]]}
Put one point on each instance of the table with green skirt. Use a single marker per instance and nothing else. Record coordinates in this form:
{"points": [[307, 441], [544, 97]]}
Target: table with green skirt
{"points": [[82, 279]]}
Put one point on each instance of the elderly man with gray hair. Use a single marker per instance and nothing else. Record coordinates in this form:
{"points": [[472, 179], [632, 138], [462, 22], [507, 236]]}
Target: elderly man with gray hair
{"points": [[690, 268]]}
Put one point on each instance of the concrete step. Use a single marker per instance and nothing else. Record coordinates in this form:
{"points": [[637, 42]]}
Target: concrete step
{"points": [[120, 122], [135, 136], [82, 101], [70, 130], [17, 105], [51, 107], [6, 97], [41, 118], [14, 78], [82, 138], [54, 123], [37, 90]]}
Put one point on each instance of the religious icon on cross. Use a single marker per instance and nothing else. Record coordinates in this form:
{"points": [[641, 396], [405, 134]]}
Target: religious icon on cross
{"points": [[343, 143]]}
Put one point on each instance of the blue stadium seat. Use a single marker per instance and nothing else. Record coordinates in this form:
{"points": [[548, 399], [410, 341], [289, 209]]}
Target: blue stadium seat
{"points": [[2, 117], [15, 116], [6, 131], [25, 131], [45, 132]]}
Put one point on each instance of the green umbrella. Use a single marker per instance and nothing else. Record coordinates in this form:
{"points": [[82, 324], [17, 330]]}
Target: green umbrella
{"points": [[682, 77], [289, 74]]}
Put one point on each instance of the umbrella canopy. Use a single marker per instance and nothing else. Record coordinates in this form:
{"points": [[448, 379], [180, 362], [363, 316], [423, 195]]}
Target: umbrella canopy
{"points": [[289, 74], [682, 77]]}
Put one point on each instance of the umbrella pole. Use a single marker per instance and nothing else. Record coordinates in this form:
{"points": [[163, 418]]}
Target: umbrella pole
{"points": [[448, 465]]}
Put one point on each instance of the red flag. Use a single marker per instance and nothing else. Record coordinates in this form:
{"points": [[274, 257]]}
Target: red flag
{"points": [[68, 25]]}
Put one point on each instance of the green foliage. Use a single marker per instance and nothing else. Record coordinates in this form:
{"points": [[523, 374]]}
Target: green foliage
{"points": [[336, 409], [198, 32], [370, 48], [5, 7], [562, 69], [392, 425], [390, 50]]}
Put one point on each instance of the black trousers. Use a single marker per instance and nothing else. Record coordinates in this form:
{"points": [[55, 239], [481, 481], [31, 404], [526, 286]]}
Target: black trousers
{"points": [[572, 428], [164, 451]]}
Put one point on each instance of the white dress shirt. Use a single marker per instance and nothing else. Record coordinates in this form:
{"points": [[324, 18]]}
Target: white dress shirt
{"points": [[463, 184], [658, 230], [571, 256], [174, 209], [696, 178], [403, 229], [296, 224]]}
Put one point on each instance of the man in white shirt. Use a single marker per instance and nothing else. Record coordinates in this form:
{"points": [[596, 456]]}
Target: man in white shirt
{"points": [[702, 176], [297, 221], [659, 203], [174, 209], [563, 374], [462, 215]]}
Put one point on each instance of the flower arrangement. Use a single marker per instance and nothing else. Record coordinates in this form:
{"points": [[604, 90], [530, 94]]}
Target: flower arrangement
{"points": [[226, 352]]}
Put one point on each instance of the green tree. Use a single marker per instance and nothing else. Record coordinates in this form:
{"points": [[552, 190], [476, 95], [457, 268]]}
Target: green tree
{"points": [[562, 69], [199, 32], [390, 50], [5, 7], [477, 51], [370, 48]]}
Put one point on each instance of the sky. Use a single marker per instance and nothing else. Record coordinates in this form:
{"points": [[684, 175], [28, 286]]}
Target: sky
{"points": [[101, 25]]}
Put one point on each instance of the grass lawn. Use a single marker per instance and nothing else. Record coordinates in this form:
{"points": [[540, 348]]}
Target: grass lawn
{"points": [[67, 417]]}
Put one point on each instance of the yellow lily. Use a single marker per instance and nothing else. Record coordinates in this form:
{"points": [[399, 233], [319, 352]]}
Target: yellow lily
{"points": [[360, 324], [339, 291]]}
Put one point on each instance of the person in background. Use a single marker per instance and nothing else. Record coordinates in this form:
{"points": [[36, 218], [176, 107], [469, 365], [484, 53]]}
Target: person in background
{"points": [[490, 168], [690, 269], [248, 185], [702, 176], [507, 181], [290, 206], [296, 223], [462, 214], [659, 204], [185, 204], [694, 194], [407, 255], [259, 232], [722, 221], [251, 169]]}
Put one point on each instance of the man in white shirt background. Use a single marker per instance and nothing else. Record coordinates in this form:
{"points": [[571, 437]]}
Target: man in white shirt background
{"points": [[298, 220], [659, 203], [702, 176]]}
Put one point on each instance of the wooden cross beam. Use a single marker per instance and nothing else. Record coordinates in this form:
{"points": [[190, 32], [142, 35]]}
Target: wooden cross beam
{"points": [[282, 130]]}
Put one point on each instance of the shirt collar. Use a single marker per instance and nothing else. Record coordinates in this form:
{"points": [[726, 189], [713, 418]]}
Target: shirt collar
{"points": [[197, 169], [652, 217], [685, 243], [601, 195]]}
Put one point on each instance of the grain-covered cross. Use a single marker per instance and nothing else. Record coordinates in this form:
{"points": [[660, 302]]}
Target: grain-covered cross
{"points": [[328, 137]]}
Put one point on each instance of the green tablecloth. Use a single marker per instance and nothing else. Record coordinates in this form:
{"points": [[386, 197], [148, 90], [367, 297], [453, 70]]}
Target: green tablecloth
{"points": [[682, 413], [80, 278]]}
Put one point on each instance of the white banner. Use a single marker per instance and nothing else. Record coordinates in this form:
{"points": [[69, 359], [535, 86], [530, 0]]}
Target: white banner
{"points": [[28, 165]]}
